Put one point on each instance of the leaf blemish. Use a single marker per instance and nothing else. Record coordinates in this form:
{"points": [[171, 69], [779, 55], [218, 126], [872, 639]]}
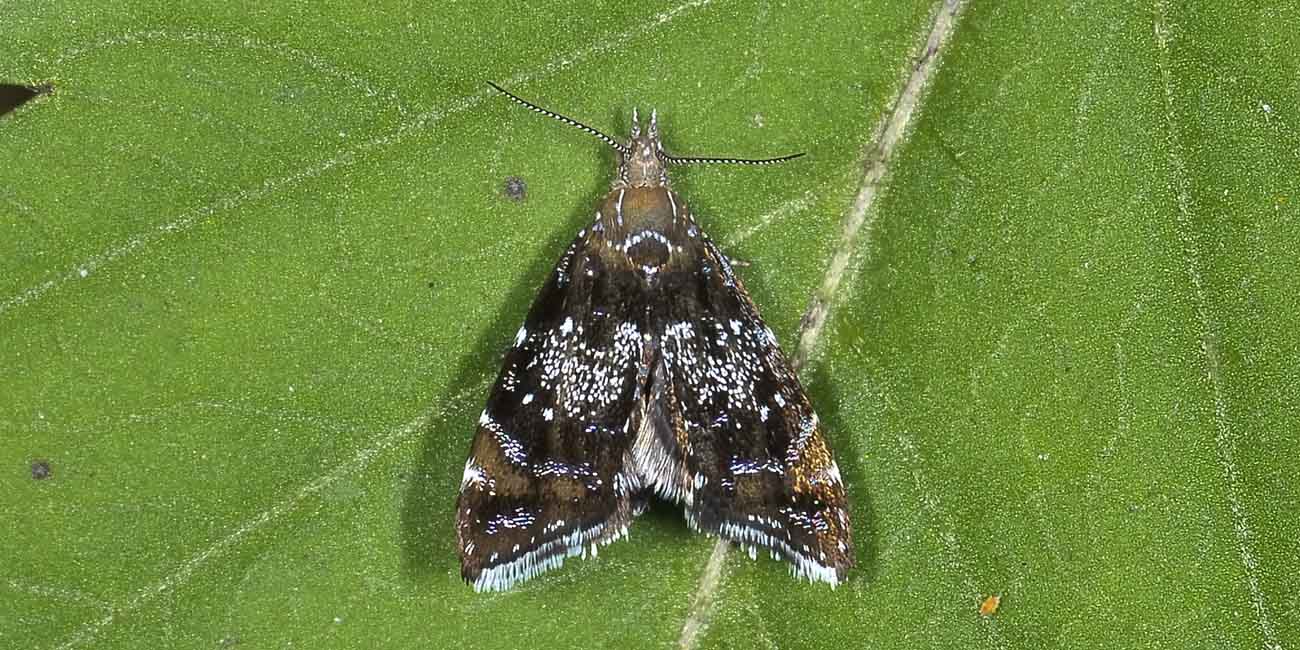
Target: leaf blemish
{"points": [[515, 188], [41, 470]]}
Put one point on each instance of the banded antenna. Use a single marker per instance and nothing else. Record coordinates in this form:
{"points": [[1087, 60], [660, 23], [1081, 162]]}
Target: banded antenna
{"points": [[730, 161], [673, 160], [567, 120]]}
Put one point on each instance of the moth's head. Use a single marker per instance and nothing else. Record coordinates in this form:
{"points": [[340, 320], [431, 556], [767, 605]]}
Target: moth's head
{"points": [[643, 163]]}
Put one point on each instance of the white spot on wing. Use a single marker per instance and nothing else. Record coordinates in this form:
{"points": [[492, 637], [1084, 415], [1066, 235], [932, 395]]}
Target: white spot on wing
{"points": [[473, 475], [834, 472]]}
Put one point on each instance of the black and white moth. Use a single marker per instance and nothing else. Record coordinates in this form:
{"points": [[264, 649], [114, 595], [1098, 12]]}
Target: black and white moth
{"points": [[644, 368]]}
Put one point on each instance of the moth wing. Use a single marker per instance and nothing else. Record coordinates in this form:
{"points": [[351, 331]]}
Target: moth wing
{"points": [[729, 431], [546, 478]]}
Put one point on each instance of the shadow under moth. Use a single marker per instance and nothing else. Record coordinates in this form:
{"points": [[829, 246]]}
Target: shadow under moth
{"points": [[643, 368]]}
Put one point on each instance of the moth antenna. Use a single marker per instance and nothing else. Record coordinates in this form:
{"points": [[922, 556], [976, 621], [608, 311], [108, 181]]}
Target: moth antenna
{"points": [[636, 124], [567, 120], [674, 160]]}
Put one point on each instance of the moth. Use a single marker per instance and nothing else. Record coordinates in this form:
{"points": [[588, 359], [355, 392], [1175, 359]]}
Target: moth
{"points": [[643, 369]]}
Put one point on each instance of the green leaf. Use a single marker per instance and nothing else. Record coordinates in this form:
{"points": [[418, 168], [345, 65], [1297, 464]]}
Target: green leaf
{"points": [[257, 271]]}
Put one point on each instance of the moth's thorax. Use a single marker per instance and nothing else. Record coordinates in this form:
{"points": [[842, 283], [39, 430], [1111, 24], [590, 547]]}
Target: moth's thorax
{"points": [[643, 229]]}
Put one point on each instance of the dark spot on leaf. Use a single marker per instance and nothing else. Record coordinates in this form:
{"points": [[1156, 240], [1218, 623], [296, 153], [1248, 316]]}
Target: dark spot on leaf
{"points": [[515, 188], [14, 95], [41, 469]]}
